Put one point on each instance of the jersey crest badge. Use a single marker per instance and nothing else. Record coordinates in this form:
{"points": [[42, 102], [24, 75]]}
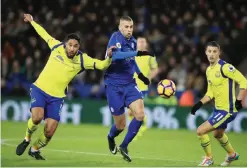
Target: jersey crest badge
{"points": [[132, 45], [217, 74], [118, 45]]}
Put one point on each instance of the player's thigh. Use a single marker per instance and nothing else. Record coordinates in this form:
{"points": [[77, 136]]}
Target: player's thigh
{"points": [[204, 128], [220, 119], [132, 94], [115, 99], [37, 114], [38, 104], [130, 113], [120, 121], [50, 127], [53, 108]]}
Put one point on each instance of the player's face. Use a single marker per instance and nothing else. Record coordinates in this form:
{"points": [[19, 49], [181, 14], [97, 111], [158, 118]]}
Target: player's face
{"points": [[213, 54], [126, 28], [72, 46], [142, 44]]}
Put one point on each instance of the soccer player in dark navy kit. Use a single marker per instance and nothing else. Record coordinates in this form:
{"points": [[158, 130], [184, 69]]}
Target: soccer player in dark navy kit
{"points": [[121, 88]]}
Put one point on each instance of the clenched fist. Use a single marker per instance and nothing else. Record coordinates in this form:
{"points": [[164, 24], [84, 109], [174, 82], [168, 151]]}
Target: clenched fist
{"points": [[28, 18]]}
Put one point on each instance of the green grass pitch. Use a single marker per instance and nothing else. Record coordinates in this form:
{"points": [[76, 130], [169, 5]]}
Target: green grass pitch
{"points": [[86, 145]]}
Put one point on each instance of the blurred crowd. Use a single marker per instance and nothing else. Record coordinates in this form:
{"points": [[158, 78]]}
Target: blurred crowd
{"points": [[177, 31]]}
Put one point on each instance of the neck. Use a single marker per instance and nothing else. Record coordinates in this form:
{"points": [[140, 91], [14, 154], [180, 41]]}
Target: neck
{"points": [[214, 63]]}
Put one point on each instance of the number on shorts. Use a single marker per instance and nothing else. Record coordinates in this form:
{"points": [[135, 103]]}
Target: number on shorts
{"points": [[218, 116]]}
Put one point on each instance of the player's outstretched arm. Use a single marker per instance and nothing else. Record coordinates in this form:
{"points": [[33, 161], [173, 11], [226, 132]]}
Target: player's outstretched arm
{"points": [[91, 63], [207, 97], [41, 31], [118, 55], [143, 78], [199, 104], [154, 68], [232, 73]]}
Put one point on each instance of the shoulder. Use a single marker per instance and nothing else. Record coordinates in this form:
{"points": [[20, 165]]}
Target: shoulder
{"points": [[228, 68], [116, 39]]}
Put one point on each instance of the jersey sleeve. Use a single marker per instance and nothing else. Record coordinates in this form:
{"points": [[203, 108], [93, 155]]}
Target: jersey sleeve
{"points": [[91, 63], [137, 69], [231, 72], [43, 34], [153, 63], [115, 41]]}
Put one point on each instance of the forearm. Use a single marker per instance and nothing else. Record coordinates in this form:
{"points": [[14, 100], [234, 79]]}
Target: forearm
{"points": [[154, 73], [123, 55], [102, 65], [41, 31], [205, 99], [241, 94]]}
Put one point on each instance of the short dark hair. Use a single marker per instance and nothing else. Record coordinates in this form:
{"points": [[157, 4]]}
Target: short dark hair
{"points": [[213, 44], [75, 36], [126, 18]]}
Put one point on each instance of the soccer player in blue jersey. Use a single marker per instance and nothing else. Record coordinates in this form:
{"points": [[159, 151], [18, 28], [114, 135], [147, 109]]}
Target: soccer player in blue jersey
{"points": [[121, 88], [221, 78], [48, 91]]}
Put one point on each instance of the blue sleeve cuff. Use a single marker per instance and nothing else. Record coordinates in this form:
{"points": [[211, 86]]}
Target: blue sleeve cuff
{"points": [[123, 55]]}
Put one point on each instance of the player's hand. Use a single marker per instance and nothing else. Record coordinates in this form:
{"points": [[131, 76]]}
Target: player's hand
{"points": [[28, 18], [144, 79], [196, 107], [238, 104], [109, 51], [145, 53]]}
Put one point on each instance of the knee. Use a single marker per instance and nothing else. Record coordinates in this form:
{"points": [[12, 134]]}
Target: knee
{"points": [[49, 133], [37, 119], [121, 125], [199, 132], [140, 115], [218, 135]]}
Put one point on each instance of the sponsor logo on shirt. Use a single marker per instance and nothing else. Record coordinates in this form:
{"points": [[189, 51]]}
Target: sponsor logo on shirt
{"points": [[60, 57]]}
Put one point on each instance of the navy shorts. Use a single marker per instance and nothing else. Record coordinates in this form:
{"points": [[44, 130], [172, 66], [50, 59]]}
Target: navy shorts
{"points": [[52, 105], [119, 97], [221, 118]]}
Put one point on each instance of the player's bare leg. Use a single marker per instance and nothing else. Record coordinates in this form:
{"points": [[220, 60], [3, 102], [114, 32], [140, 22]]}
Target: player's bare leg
{"points": [[116, 129], [202, 133], [222, 138], [44, 138], [137, 107], [33, 122]]}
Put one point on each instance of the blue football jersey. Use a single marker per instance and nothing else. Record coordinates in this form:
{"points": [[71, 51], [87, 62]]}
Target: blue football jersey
{"points": [[121, 72]]}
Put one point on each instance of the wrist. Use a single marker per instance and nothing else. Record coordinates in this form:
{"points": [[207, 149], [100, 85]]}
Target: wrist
{"points": [[200, 103]]}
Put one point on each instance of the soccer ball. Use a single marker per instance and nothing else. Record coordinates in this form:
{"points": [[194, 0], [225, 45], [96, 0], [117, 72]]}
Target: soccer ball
{"points": [[166, 88]]}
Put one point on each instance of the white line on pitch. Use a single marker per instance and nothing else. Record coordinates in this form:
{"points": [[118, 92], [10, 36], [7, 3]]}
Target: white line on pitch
{"points": [[3, 141]]}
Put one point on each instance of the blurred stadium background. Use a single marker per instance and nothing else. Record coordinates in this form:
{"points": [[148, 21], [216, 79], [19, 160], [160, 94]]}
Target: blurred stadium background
{"points": [[177, 31]]}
